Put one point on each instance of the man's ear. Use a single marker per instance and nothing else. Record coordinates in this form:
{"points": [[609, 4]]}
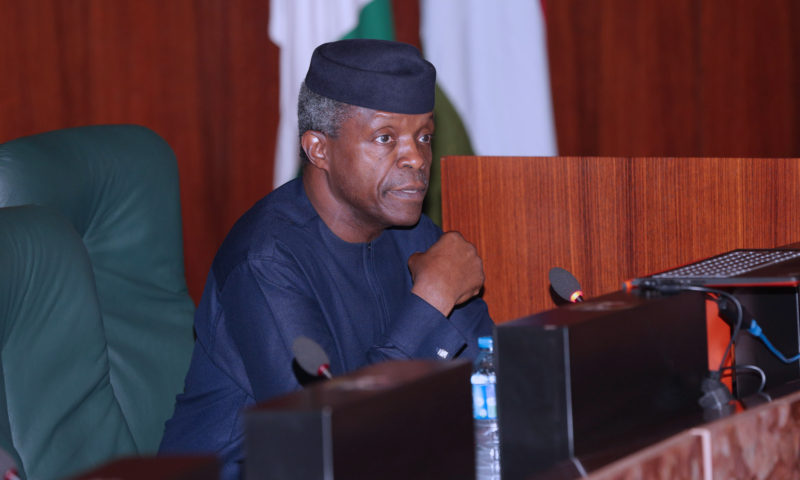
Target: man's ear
{"points": [[313, 144]]}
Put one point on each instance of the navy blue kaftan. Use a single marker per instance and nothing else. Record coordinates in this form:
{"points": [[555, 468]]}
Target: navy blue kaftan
{"points": [[282, 273]]}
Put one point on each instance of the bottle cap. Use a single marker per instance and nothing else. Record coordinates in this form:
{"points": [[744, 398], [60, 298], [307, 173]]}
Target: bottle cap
{"points": [[485, 342]]}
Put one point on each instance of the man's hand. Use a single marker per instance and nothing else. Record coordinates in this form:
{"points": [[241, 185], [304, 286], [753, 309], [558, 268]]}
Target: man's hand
{"points": [[449, 273]]}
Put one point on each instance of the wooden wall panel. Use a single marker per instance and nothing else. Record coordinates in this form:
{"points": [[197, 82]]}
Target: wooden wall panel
{"points": [[203, 74], [676, 78], [610, 219], [622, 75], [749, 75]]}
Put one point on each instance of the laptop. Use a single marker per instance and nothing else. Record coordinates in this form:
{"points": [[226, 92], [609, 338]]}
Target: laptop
{"points": [[773, 267]]}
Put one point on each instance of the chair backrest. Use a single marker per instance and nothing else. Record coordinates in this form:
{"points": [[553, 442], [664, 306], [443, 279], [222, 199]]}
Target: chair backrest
{"points": [[58, 410], [116, 186]]}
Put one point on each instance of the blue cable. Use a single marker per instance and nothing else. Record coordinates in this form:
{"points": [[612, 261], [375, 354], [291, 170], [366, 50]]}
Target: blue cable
{"points": [[755, 330]]}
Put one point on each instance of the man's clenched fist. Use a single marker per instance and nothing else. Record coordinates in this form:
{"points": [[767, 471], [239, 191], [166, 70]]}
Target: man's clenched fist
{"points": [[449, 273]]}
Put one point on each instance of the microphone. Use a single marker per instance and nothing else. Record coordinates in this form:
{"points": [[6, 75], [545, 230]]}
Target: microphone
{"points": [[7, 466], [716, 401], [311, 357], [565, 285]]}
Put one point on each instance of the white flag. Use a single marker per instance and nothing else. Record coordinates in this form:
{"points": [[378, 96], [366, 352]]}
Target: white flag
{"points": [[491, 62], [297, 27]]}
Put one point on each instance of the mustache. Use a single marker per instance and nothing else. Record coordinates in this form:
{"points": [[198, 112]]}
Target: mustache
{"points": [[415, 178]]}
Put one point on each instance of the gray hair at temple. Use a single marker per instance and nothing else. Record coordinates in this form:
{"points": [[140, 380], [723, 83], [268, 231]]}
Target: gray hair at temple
{"points": [[318, 113]]}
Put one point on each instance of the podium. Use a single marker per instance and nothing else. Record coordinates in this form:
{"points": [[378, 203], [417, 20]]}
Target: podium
{"points": [[760, 442], [592, 382], [393, 420], [607, 220]]}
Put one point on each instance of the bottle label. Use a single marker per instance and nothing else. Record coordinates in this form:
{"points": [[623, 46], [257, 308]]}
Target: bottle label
{"points": [[484, 402]]}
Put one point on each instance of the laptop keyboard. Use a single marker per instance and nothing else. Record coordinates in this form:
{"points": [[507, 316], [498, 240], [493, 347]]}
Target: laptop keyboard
{"points": [[731, 264]]}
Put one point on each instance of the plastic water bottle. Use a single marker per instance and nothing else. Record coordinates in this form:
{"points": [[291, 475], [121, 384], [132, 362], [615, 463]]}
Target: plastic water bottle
{"points": [[484, 409]]}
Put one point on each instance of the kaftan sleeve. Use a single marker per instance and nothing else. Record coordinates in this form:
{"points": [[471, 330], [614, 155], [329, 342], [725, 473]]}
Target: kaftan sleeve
{"points": [[265, 308], [421, 331]]}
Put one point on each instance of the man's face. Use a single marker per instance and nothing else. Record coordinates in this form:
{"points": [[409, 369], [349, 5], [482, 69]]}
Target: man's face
{"points": [[379, 166]]}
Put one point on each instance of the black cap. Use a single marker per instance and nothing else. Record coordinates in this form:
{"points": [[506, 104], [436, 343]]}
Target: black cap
{"points": [[376, 74]]}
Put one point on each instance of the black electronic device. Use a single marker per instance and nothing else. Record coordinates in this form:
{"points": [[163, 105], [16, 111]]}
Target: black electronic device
{"points": [[766, 282], [774, 267], [776, 311], [587, 383]]}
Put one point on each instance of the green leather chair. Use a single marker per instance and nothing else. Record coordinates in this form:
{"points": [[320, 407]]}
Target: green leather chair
{"points": [[95, 318]]}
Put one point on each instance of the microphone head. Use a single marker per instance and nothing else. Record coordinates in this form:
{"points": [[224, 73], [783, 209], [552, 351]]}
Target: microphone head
{"points": [[565, 285], [8, 469], [310, 356]]}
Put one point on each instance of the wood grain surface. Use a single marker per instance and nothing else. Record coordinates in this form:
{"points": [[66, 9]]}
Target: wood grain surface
{"points": [[607, 220]]}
